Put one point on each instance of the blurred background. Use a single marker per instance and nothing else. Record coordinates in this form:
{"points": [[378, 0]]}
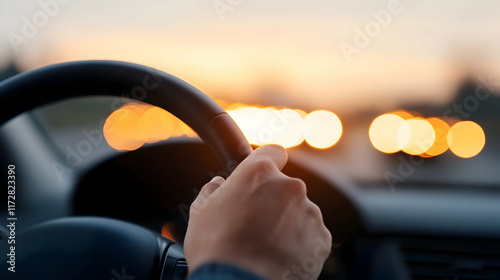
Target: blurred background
{"points": [[349, 87]]}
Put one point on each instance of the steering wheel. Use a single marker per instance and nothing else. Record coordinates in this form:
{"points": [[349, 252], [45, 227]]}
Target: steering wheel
{"points": [[102, 248]]}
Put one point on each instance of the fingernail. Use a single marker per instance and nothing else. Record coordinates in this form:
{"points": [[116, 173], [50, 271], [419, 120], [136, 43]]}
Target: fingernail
{"points": [[217, 179]]}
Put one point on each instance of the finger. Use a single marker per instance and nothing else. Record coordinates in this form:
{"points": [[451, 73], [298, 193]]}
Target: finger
{"points": [[211, 186], [207, 190], [273, 153], [203, 197]]}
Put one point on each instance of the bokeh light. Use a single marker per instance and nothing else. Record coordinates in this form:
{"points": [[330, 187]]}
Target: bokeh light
{"points": [[168, 231], [425, 137], [440, 145], [120, 130], [322, 129], [290, 132], [301, 113], [416, 137], [254, 123], [466, 139], [403, 114], [383, 132], [134, 124], [269, 125], [155, 124]]}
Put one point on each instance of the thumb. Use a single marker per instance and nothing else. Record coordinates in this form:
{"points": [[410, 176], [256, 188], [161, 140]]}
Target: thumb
{"points": [[275, 154]]}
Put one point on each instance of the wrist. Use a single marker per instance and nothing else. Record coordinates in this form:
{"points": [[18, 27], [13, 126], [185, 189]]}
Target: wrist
{"points": [[265, 269], [217, 270]]}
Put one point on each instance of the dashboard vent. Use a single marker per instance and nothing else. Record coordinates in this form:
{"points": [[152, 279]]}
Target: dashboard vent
{"points": [[451, 259]]}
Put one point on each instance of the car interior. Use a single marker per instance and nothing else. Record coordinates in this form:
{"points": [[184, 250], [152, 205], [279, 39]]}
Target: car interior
{"points": [[72, 199]]}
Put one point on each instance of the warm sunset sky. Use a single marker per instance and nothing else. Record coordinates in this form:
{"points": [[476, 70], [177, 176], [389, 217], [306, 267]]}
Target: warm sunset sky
{"points": [[301, 54]]}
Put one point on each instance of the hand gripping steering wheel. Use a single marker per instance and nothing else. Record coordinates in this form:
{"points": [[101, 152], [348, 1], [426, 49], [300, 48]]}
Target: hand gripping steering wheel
{"points": [[101, 248]]}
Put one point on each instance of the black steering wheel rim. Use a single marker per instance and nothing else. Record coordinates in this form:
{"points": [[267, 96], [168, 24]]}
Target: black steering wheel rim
{"points": [[62, 81], [75, 242]]}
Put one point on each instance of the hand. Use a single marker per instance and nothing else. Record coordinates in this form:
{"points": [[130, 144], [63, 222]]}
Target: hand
{"points": [[258, 219]]}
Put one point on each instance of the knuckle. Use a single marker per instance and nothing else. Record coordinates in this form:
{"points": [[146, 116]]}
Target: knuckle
{"points": [[296, 186], [206, 189], [314, 211], [327, 236], [265, 165], [261, 167]]}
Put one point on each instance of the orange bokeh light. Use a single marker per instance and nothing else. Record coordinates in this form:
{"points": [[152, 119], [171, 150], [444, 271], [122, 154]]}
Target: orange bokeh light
{"points": [[119, 130], [155, 124], [417, 137], [440, 145], [133, 125], [168, 231], [408, 132], [403, 114], [466, 139]]}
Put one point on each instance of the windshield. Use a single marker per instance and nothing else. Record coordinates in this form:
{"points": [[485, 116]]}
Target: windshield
{"points": [[382, 92]]}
